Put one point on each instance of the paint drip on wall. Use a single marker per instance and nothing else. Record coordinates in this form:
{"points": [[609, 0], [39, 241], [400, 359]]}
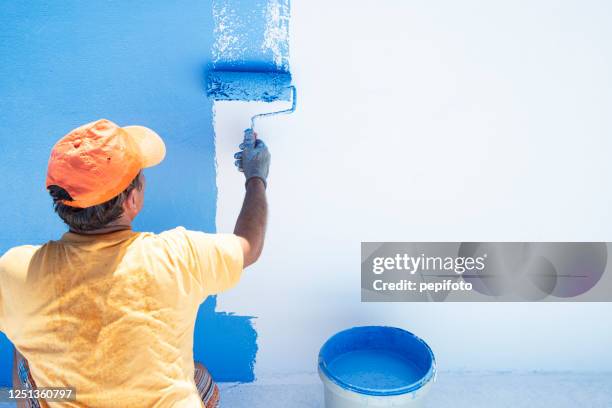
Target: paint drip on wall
{"points": [[251, 35]]}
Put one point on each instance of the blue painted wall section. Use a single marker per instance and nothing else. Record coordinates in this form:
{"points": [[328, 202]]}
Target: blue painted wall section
{"points": [[138, 62], [231, 348], [251, 35]]}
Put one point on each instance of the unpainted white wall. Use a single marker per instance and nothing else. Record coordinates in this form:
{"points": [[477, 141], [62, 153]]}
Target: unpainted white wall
{"points": [[429, 121]]}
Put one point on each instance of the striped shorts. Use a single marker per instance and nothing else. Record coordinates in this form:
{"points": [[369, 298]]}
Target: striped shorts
{"points": [[208, 390]]}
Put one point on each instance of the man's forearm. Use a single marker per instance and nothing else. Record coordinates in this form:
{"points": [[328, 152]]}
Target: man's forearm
{"points": [[251, 223]]}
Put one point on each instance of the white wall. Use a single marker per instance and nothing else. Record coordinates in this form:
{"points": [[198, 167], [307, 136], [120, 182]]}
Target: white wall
{"points": [[420, 121]]}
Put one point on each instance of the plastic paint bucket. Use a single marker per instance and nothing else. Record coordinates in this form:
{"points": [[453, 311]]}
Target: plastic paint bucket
{"points": [[376, 366]]}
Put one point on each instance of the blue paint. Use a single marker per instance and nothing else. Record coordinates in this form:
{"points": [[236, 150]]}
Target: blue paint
{"points": [[249, 86], [375, 360], [6, 361], [250, 63], [227, 345], [67, 63], [251, 35], [384, 369]]}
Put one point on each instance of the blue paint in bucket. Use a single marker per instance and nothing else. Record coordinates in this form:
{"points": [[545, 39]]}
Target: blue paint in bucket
{"points": [[377, 361]]}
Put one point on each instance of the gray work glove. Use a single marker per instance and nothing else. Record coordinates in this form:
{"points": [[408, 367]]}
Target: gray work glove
{"points": [[253, 158]]}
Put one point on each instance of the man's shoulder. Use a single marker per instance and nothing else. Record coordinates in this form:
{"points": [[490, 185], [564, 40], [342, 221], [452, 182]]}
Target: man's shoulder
{"points": [[20, 252], [181, 233], [180, 230], [174, 233], [180, 238], [17, 258], [177, 240]]}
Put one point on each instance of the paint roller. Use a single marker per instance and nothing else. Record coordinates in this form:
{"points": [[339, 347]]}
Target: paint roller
{"points": [[252, 86]]}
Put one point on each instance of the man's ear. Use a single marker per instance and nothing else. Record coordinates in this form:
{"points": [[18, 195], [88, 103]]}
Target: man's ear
{"points": [[132, 198], [129, 204]]}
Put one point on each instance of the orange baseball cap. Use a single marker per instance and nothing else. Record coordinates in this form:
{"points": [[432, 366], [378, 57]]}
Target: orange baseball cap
{"points": [[97, 161]]}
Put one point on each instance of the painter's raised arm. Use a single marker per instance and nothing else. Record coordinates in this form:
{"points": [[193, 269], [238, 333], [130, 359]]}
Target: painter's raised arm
{"points": [[254, 160]]}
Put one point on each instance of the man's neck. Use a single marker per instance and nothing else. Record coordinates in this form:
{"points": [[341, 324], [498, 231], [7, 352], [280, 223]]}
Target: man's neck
{"points": [[121, 224]]}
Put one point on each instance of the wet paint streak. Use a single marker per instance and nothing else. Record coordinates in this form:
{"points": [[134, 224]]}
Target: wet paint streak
{"points": [[276, 34], [228, 344], [251, 35]]}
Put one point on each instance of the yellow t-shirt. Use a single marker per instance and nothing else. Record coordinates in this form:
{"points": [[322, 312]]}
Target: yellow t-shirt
{"points": [[113, 315]]}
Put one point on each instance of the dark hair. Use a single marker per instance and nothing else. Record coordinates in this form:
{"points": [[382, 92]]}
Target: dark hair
{"points": [[94, 217]]}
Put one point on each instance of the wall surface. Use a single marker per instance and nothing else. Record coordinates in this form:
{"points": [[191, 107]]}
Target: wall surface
{"points": [[417, 121], [430, 121], [138, 62]]}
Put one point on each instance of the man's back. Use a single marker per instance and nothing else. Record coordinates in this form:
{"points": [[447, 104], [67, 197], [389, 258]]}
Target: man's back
{"points": [[113, 315]]}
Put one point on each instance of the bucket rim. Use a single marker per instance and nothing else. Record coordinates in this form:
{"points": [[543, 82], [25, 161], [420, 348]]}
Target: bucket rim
{"points": [[428, 376]]}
